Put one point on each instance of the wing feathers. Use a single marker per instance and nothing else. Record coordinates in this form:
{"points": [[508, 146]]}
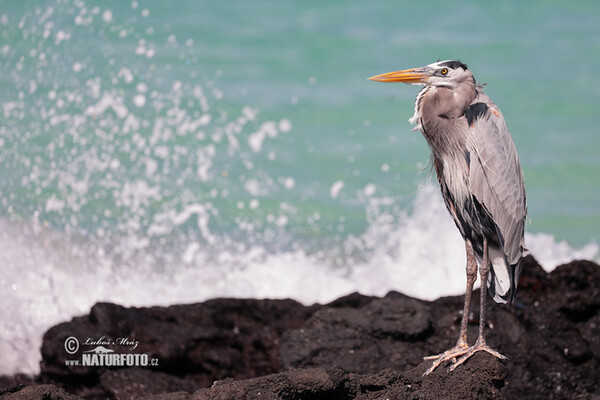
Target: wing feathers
{"points": [[496, 182], [496, 179]]}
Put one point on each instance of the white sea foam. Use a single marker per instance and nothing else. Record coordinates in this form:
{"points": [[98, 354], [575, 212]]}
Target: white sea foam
{"points": [[267, 129], [550, 253], [49, 278], [107, 16], [335, 189], [150, 172]]}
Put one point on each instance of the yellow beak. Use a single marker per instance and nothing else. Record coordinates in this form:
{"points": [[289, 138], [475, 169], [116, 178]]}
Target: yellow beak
{"points": [[413, 75]]}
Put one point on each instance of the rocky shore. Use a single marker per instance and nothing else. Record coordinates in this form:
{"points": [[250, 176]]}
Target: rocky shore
{"points": [[357, 347]]}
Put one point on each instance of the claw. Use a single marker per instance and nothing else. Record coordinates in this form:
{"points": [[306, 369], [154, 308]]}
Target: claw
{"points": [[478, 346], [450, 354], [458, 350]]}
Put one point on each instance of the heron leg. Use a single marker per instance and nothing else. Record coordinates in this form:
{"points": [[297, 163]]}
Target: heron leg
{"points": [[461, 346], [480, 344]]}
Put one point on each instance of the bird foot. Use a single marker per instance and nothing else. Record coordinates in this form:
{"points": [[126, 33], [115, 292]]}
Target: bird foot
{"points": [[449, 354], [460, 350], [480, 345]]}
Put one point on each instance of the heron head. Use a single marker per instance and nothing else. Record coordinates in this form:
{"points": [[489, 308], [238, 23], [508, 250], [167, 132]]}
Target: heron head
{"points": [[441, 73]]}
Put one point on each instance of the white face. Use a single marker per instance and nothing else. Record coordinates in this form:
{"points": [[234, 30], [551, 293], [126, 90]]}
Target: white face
{"points": [[446, 73]]}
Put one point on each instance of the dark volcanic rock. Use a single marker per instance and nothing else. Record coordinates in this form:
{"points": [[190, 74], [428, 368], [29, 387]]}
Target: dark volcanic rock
{"points": [[551, 336], [556, 353], [43, 392], [376, 335], [482, 379], [357, 347], [129, 383], [199, 342]]}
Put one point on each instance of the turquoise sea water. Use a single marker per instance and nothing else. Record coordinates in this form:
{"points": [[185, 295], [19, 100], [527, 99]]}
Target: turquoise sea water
{"points": [[217, 143]]}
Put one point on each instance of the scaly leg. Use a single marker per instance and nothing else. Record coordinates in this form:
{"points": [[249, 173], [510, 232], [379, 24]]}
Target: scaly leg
{"points": [[461, 346], [480, 344]]}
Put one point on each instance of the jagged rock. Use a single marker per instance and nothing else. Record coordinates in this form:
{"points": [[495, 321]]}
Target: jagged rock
{"points": [[373, 336], [357, 347], [205, 341], [482, 379]]}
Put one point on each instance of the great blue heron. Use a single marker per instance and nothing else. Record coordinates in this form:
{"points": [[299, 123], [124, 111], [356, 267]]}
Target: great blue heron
{"points": [[481, 181]]}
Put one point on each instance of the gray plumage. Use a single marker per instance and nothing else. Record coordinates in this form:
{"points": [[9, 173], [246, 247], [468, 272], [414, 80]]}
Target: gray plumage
{"points": [[479, 173]]}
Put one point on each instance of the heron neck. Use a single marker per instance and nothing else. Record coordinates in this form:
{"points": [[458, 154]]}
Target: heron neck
{"points": [[440, 110]]}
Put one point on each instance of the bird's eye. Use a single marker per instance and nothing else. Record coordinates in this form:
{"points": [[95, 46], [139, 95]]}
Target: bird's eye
{"points": [[444, 71]]}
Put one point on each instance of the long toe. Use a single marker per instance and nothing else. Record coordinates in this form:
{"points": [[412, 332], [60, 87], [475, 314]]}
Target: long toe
{"points": [[479, 346], [450, 354]]}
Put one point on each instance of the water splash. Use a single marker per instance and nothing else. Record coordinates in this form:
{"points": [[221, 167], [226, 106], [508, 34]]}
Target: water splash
{"points": [[110, 147], [130, 174], [49, 277]]}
